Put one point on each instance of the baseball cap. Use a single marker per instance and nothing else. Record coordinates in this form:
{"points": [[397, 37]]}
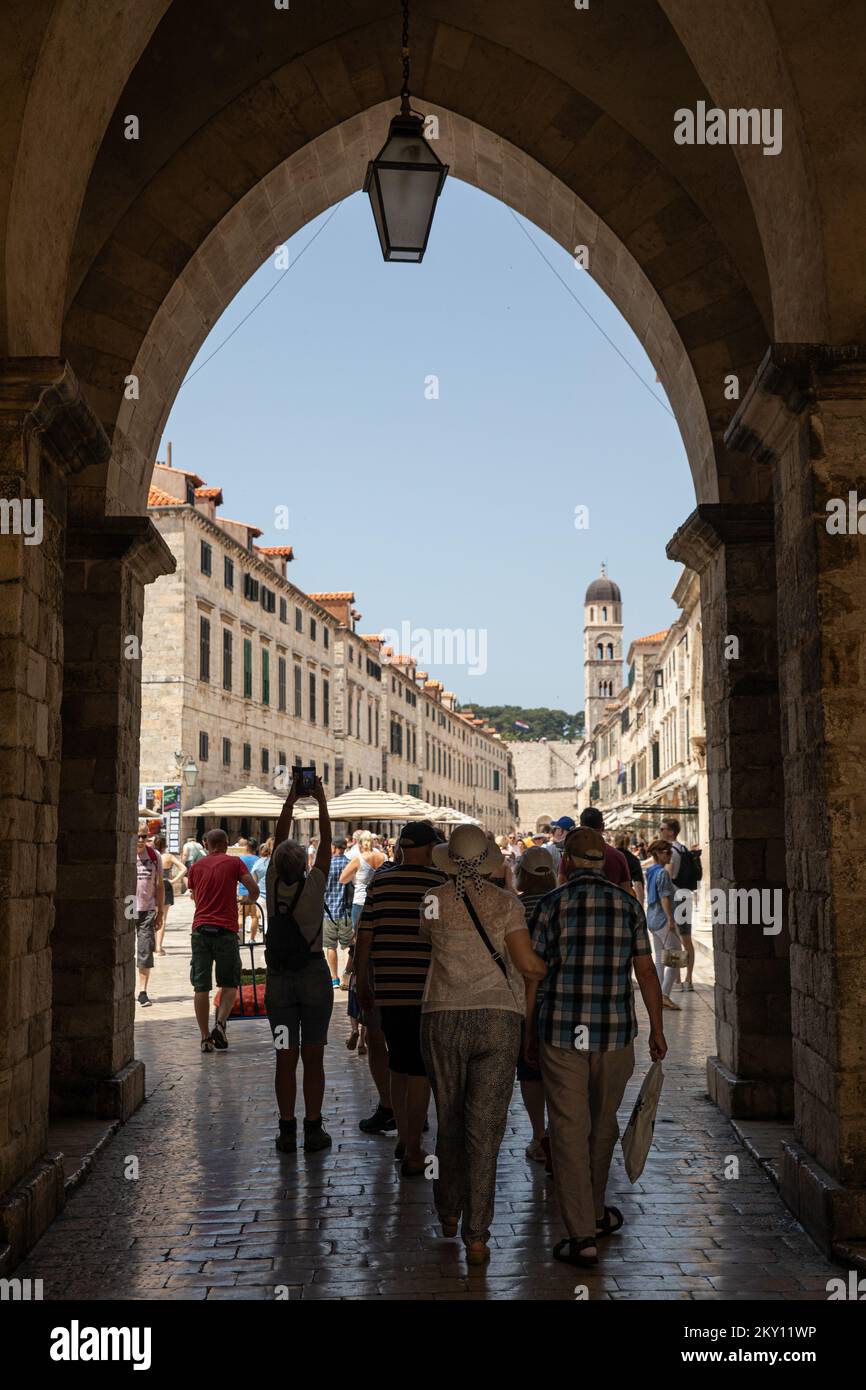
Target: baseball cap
{"points": [[417, 834], [584, 843], [564, 823], [536, 861]]}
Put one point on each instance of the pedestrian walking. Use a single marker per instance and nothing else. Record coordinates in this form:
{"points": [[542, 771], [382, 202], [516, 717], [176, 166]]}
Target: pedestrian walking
{"points": [[213, 884], [616, 867], [338, 923], [259, 872], [621, 842], [590, 933], [536, 878], [558, 831], [472, 1015], [660, 894], [149, 907], [389, 938], [685, 874], [358, 872], [298, 994]]}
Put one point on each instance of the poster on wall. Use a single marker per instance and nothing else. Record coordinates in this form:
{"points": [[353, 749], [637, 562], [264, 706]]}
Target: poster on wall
{"points": [[171, 815], [150, 799]]}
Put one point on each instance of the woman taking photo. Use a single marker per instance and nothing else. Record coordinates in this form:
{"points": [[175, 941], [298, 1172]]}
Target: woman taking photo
{"points": [[471, 1023]]}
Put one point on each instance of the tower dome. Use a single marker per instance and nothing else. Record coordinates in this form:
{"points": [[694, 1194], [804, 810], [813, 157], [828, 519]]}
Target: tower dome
{"points": [[603, 590]]}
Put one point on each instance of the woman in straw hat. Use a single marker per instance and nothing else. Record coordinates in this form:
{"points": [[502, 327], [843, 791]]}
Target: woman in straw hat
{"points": [[471, 1021]]}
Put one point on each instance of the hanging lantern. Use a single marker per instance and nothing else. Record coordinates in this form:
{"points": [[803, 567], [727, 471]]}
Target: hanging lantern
{"points": [[405, 179]]}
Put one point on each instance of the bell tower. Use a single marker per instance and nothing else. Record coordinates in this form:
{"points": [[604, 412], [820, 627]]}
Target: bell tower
{"points": [[602, 647]]}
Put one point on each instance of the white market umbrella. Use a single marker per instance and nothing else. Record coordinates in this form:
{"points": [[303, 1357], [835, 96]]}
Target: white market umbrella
{"points": [[246, 801]]}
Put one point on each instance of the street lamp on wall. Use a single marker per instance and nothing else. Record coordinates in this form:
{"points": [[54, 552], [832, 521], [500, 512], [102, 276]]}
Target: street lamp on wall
{"points": [[405, 179], [187, 768]]}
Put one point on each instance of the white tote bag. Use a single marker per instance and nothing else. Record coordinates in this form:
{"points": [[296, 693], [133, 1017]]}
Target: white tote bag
{"points": [[638, 1135]]}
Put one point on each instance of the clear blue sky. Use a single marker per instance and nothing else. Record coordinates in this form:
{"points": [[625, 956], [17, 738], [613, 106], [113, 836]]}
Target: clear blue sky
{"points": [[456, 512]]}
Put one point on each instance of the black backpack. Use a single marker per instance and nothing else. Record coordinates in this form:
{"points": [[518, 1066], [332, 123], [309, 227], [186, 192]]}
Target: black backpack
{"points": [[690, 872], [286, 947]]}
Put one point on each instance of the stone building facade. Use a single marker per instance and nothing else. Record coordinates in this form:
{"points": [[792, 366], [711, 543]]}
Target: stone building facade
{"points": [[645, 758], [545, 774], [246, 674]]}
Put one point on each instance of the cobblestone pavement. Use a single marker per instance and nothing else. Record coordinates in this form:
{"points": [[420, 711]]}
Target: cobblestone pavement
{"points": [[216, 1213]]}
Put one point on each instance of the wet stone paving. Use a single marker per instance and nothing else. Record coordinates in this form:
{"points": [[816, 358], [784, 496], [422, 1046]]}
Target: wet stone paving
{"points": [[216, 1213]]}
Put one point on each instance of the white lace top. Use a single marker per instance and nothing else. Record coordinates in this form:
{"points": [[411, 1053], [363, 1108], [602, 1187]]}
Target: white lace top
{"points": [[463, 974]]}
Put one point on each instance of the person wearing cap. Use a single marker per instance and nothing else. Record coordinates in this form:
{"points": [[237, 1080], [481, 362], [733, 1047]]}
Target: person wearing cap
{"points": [[590, 933], [389, 939], [615, 864], [558, 831], [472, 1016], [299, 997]]}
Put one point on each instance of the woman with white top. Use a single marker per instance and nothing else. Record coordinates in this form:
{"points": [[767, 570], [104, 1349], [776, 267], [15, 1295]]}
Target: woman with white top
{"points": [[471, 1022], [359, 870]]}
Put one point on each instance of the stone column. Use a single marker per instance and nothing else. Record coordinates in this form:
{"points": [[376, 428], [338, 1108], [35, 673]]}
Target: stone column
{"points": [[805, 415], [92, 1066], [47, 433], [730, 546]]}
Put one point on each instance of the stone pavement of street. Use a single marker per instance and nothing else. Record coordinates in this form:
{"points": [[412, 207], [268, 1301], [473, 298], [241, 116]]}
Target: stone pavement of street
{"points": [[216, 1213]]}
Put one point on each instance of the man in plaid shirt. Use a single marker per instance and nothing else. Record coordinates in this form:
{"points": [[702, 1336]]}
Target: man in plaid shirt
{"points": [[590, 933]]}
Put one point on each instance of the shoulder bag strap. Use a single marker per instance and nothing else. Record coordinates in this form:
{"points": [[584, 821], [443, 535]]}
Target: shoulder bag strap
{"points": [[483, 934]]}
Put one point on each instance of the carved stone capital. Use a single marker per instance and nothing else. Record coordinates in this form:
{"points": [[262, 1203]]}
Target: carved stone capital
{"points": [[44, 393], [712, 524], [133, 539], [791, 380]]}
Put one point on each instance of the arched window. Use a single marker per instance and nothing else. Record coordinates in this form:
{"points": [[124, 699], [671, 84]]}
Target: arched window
{"points": [[610, 651], [592, 615], [599, 651], [604, 615]]}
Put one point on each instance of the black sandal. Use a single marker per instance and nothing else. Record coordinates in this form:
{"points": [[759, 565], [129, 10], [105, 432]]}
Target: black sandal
{"points": [[612, 1220], [568, 1252]]}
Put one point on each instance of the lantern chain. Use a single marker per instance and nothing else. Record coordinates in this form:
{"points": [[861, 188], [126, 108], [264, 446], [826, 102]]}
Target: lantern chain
{"points": [[404, 91]]}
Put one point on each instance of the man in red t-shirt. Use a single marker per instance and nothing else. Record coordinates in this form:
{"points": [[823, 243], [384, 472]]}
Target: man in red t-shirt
{"points": [[213, 887], [616, 867]]}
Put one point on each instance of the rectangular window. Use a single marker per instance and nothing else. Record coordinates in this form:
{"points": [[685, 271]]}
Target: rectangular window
{"points": [[227, 659], [326, 702], [202, 747], [299, 620], [228, 572], [396, 738], [496, 781], [326, 772], [369, 724], [204, 649], [377, 726], [248, 756], [266, 760], [227, 751], [269, 599], [266, 677], [312, 697], [248, 669], [206, 558], [313, 628], [655, 757], [326, 638], [284, 611], [251, 588], [298, 709], [281, 683]]}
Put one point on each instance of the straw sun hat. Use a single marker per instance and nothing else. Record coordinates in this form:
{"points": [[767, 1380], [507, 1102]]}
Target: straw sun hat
{"points": [[468, 854]]}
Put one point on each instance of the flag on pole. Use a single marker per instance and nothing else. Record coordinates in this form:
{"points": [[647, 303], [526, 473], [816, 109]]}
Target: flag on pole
{"points": [[519, 725]]}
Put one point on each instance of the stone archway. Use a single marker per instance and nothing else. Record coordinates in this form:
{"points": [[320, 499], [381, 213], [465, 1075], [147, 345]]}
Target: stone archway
{"points": [[709, 263]]}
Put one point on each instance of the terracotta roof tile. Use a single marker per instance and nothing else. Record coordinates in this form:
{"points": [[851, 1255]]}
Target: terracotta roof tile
{"points": [[349, 596], [215, 492], [285, 550], [653, 637], [157, 498]]}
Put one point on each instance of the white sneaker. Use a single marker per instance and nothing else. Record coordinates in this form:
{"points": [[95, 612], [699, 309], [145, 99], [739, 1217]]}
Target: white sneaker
{"points": [[535, 1152]]}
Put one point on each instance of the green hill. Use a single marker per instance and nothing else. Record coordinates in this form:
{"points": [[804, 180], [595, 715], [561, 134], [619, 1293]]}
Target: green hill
{"points": [[543, 723]]}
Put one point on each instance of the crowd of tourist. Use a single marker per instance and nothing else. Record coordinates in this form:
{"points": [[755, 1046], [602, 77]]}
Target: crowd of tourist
{"points": [[470, 963]]}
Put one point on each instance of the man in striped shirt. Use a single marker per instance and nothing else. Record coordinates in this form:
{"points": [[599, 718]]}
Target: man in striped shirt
{"points": [[590, 933], [389, 939]]}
